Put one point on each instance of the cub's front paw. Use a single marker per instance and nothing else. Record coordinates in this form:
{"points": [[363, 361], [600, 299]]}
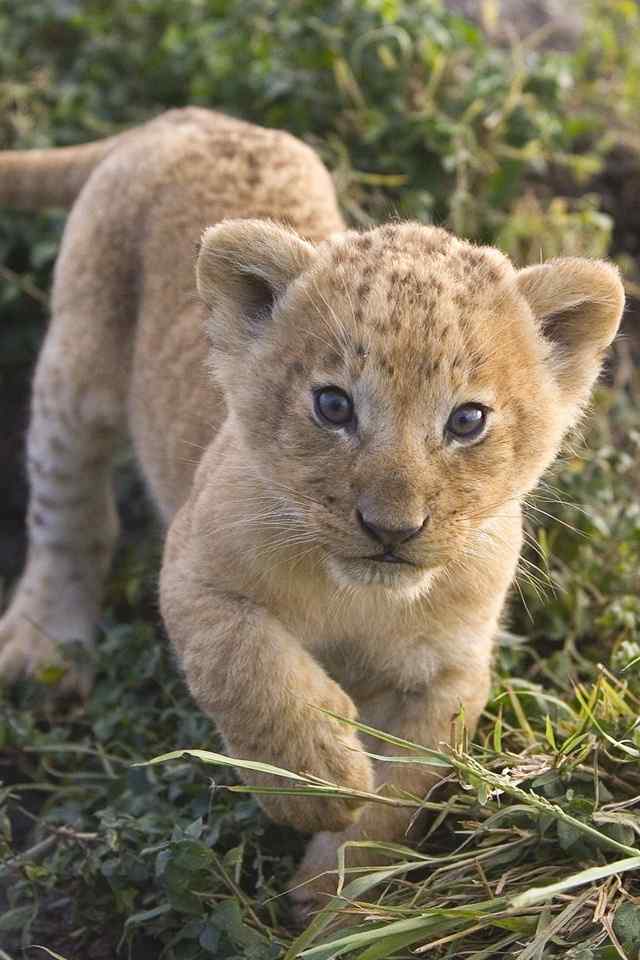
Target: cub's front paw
{"points": [[332, 756], [308, 742]]}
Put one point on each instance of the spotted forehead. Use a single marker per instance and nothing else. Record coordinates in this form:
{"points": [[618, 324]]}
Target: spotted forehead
{"points": [[407, 298]]}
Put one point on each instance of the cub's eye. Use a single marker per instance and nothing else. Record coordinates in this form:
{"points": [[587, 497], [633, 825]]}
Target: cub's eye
{"points": [[334, 406], [467, 421]]}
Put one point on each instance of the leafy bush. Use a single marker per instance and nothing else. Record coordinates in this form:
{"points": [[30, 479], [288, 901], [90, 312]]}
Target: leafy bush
{"points": [[412, 108]]}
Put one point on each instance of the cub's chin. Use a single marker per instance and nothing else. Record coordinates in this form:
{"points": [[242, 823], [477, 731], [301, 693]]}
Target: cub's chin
{"points": [[406, 579]]}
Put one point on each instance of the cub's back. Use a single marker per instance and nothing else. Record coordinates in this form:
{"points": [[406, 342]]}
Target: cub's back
{"points": [[132, 238]]}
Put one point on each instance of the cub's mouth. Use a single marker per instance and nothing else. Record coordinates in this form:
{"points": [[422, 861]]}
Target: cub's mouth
{"points": [[387, 557], [380, 569]]}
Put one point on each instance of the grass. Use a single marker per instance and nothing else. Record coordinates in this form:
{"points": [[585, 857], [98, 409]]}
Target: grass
{"points": [[530, 850]]}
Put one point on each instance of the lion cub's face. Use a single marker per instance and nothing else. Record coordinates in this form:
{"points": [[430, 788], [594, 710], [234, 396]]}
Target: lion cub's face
{"points": [[400, 390]]}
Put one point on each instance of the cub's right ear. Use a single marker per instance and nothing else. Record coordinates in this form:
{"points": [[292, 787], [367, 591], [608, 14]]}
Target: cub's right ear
{"points": [[243, 268]]}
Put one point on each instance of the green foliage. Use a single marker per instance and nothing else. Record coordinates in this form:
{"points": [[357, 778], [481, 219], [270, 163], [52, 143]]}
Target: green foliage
{"points": [[409, 103], [418, 116], [144, 854]]}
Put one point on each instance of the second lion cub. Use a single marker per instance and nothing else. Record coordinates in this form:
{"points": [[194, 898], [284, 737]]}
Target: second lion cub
{"points": [[371, 408]]}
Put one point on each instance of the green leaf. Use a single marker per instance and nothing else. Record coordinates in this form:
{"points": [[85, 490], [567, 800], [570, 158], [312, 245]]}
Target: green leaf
{"points": [[207, 756], [549, 732], [144, 916], [16, 918], [497, 732], [626, 925], [228, 918], [210, 939], [191, 856], [593, 874]]}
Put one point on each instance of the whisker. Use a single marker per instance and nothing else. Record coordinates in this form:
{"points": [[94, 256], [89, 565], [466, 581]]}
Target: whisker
{"points": [[564, 523]]}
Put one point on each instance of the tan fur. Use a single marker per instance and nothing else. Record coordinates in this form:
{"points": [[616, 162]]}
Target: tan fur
{"points": [[36, 178], [266, 589]]}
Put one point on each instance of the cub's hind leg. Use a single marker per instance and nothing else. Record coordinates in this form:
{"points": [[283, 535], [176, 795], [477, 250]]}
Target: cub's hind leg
{"points": [[78, 412]]}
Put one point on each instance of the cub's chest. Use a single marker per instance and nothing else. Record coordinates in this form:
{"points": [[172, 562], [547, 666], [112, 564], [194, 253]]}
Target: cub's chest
{"points": [[368, 670], [368, 650]]}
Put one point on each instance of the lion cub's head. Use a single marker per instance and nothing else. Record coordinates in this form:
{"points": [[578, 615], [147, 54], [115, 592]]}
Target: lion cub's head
{"points": [[399, 389]]}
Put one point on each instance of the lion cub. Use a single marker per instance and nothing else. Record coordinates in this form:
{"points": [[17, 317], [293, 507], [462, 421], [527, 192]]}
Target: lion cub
{"points": [[370, 409]]}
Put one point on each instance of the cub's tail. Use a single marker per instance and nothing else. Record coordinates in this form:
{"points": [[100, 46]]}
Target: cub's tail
{"points": [[32, 179]]}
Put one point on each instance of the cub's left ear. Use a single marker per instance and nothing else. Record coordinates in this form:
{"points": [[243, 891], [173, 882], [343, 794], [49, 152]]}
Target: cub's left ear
{"points": [[578, 305]]}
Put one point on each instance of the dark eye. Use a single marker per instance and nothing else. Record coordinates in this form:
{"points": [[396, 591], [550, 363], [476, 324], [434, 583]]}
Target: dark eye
{"points": [[467, 422], [334, 406]]}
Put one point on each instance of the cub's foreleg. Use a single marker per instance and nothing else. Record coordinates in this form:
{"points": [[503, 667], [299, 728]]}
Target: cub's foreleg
{"points": [[424, 718], [249, 673]]}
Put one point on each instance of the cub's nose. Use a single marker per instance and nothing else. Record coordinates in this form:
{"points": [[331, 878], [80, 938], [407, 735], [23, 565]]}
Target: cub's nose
{"points": [[389, 537]]}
